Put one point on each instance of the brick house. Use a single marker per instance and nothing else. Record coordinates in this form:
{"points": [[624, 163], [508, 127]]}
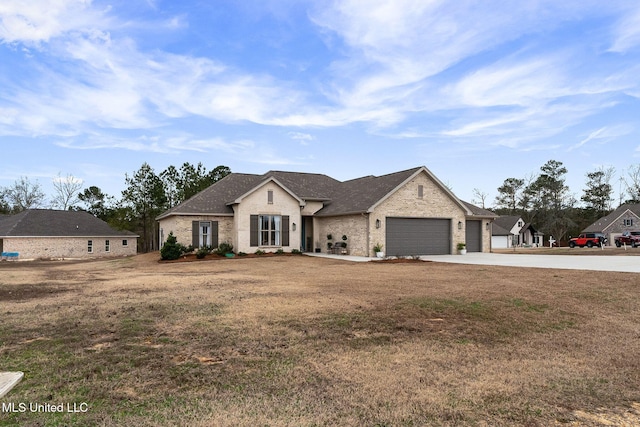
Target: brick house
{"points": [[625, 218], [409, 212], [56, 234]]}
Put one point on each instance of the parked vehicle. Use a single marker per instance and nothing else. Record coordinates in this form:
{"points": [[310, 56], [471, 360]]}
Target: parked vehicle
{"points": [[588, 239], [630, 238]]}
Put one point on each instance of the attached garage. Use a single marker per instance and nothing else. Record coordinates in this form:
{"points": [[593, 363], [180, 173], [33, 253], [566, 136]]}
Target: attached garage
{"points": [[418, 236], [473, 235]]}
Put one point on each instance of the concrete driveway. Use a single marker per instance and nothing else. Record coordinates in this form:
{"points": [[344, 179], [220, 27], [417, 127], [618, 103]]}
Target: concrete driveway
{"points": [[630, 264]]}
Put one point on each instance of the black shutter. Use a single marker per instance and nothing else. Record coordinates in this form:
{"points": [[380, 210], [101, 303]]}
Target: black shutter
{"points": [[285, 230], [195, 234], [214, 234], [253, 230]]}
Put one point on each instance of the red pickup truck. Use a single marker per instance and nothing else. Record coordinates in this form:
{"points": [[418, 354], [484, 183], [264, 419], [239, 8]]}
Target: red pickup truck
{"points": [[630, 238], [588, 239]]}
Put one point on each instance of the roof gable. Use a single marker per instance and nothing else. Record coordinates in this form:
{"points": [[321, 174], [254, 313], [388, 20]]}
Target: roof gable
{"points": [[601, 224], [508, 221], [262, 184]]}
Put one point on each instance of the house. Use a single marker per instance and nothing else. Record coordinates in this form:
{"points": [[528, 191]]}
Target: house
{"points": [[48, 234], [410, 212], [510, 231], [625, 218]]}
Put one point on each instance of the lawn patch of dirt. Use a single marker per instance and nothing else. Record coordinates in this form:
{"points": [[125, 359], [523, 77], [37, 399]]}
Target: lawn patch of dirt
{"points": [[296, 340]]}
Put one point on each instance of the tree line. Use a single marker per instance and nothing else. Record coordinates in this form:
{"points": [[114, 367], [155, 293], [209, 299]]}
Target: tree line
{"points": [[146, 195], [545, 200]]}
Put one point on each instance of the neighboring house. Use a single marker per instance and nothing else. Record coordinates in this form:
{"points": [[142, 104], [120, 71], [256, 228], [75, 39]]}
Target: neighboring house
{"points": [[625, 218], [54, 234], [510, 231], [410, 212]]}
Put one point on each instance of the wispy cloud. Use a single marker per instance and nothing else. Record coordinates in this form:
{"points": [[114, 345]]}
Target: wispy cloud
{"points": [[604, 134], [626, 32], [435, 59]]}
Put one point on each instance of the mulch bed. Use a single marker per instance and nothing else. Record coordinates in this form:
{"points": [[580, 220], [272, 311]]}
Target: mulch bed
{"points": [[216, 257]]}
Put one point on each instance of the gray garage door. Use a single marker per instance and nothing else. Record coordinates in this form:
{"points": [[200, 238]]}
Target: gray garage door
{"points": [[473, 236], [418, 236]]}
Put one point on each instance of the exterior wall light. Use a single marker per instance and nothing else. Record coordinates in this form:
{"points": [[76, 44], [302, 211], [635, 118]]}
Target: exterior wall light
{"points": [[293, 226], [377, 223], [459, 225]]}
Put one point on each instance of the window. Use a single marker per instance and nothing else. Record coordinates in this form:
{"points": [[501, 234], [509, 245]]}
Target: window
{"points": [[90, 246], [270, 197], [520, 224], [628, 222], [270, 227], [107, 245], [125, 242], [205, 234], [420, 191]]}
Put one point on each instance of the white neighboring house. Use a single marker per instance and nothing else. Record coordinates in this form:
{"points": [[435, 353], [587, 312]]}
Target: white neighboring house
{"points": [[510, 231]]}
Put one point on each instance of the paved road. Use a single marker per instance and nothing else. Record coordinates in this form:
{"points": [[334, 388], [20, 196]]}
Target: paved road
{"points": [[630, 264]]}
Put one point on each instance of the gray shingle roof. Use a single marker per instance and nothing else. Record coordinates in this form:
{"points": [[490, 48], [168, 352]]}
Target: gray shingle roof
{"points": [[478, 211], [360, 194], [601, 224], [507, 221], [55, 223], [353, 196]]}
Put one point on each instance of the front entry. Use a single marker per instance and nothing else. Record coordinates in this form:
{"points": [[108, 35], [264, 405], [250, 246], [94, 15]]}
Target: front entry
{"points": [[306, 239]]}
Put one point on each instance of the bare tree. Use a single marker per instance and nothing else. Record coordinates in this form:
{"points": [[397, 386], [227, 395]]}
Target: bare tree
{"points": [[632, 182], [479, 197], [23, 195], [66, 191]]}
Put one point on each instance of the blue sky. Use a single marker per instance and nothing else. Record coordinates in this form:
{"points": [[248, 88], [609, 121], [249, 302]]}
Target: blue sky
{"points": [[477, 91]]}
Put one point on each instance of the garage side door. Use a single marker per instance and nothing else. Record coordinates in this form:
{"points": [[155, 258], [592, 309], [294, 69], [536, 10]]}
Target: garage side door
{"points": [[473, 236], [418, 236]]}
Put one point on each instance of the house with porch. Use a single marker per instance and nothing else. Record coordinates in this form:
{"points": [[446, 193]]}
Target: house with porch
{"points": [[409, 212]]}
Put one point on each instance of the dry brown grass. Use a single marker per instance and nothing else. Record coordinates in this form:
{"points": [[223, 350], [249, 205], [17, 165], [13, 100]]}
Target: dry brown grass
{"points": [[299, 341]]}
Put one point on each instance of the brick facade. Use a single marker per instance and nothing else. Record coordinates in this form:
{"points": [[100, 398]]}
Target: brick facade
{"points": [[411, 194], [406, 202], [31, 248], [181, 226]]}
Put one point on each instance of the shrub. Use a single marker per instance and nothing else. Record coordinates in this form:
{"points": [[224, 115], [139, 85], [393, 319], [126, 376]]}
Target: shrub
{"points": [[259, 252], [224, 248], [280, 251], [242, 254], [296, 252], [203, 252], [171, 248]]}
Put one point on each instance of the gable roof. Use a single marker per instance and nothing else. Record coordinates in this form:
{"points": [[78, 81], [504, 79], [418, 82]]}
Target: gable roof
{"points": [[340, 198], [56, 223], [361, 194], [507, 221], [497, 230], [606, 221]]}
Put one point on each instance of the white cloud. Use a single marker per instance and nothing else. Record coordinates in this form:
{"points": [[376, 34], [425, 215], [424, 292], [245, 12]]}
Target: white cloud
{"points": [[36, 21]]}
